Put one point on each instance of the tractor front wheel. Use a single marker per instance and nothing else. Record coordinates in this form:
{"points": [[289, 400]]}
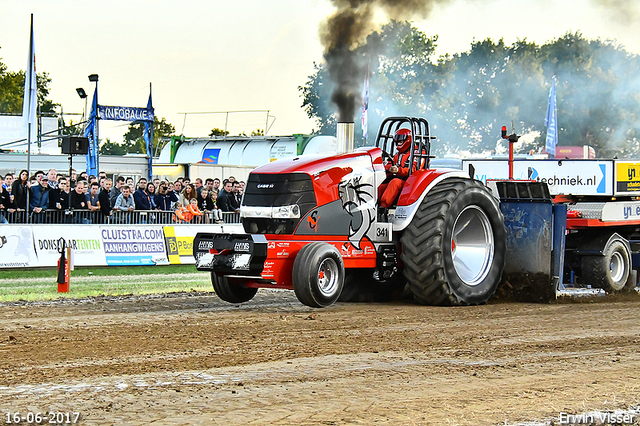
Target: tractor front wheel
{"points": [[318, 275], [231, 292]]}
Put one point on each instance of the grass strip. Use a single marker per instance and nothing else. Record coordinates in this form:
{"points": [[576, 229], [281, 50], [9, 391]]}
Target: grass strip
{"points": [[41, 284]]}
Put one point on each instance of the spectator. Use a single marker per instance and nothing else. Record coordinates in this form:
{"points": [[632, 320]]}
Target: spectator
{"points": [[225, 198], [5, 202], [216, 186], [53, 179], [237, 194], [208, 183], [72, 179], [216, 212], [151, 191], [93, 203], [116, 190], [78, 203], [105, 202], [186, 181], [165, 198], [20, 191], [102, 175], [207, 205], [60, 199], [187, 194], [141, 196], [83, 176], [198, 186], [194, 211], [77, 198], [39, 199], [8, 180], [129, 182], [124, 202], [177, 188]]}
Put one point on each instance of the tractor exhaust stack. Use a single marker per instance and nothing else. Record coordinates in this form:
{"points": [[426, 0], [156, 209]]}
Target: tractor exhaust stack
{"points": [[344, 135]]}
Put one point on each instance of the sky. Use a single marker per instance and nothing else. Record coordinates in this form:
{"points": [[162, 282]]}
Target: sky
{"points": [[211, 56]]}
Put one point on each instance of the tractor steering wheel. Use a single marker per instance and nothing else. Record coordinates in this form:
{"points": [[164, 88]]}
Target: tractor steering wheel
{"points": [[386, 155]]}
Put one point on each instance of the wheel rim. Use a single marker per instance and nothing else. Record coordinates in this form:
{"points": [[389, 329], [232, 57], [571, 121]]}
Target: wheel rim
{"points": [[616, 267], [472, 245], [328, 277]]}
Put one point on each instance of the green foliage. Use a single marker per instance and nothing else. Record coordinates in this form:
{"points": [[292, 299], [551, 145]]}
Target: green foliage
{"points": [[257, 132], [111, 148], [468, 96], [12, 91], [133, 142], [218, 132]]}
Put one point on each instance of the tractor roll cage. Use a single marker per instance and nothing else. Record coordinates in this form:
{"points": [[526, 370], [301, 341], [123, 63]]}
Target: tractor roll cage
{"points": [[421, 139]]}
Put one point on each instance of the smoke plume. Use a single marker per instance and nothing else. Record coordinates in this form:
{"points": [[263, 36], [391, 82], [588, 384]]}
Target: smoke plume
{"points": [[348, 26]]}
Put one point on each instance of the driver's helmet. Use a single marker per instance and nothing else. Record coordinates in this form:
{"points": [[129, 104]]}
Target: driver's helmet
{"points": [[402, 139]]}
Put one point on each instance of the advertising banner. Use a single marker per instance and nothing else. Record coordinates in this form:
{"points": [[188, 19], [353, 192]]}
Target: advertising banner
{"points": [[26, 246], [627, 178], [134, 245], [577, 177], [179, 241], [34, 246]]}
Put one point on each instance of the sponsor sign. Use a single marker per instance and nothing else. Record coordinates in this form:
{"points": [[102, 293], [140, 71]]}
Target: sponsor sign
{"points": [[134, 245], [627, 178], [179, 241], [38, 245], [106, 112], [575, 177], [211, 155], [621, 211]]}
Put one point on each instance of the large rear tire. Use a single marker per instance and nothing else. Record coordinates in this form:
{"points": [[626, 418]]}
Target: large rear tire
{"points": [[318, 275], [609, 272], [454, 248], [231, 292]]}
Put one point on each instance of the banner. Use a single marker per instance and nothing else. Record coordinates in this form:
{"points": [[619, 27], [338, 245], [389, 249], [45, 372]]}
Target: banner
{"points": [[28, 246], [90, 132], [30, 99], [134, 245], [551, 120], [106, 112]]}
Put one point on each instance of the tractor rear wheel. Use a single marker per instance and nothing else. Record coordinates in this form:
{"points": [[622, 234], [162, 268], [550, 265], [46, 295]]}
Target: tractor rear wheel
{"points": [[231, 292], [318, 275], [454, 248], [611, 271]]}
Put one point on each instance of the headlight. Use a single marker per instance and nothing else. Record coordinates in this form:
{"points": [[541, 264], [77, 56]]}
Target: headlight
{"points": [[280, 212], [286, 212]]}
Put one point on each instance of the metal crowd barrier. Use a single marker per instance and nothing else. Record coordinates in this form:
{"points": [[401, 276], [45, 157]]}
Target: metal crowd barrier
{"points": [[81, 217]]}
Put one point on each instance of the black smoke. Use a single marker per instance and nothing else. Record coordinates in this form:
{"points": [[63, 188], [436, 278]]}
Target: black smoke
{"points": [[348, 26]]}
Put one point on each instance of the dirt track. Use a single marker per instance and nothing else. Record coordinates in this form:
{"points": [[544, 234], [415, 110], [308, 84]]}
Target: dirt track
{"points": [[192, 359]]}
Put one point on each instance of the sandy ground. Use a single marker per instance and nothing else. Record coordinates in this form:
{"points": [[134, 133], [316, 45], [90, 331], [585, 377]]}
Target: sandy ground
{"points": [[192, 359]]}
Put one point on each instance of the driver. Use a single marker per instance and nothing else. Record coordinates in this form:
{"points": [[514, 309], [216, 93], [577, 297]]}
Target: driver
{"points": [[398, 169]]}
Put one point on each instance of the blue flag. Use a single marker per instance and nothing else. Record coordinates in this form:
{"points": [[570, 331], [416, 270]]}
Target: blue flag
{"points": [[551, 120], [148, 135], [90, 132]]}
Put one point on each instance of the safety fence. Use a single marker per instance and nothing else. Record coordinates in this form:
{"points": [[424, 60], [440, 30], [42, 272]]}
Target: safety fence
{"points": [[86, 217]]}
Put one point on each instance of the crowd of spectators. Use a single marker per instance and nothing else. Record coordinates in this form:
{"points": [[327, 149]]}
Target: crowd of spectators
{"points": [[57, 198]]}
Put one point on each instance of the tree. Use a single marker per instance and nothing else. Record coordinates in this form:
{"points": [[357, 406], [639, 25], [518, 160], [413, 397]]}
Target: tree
{"points": [[468, 96], [12, 91], [218, 132], [133, 140], [112, 148]]}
